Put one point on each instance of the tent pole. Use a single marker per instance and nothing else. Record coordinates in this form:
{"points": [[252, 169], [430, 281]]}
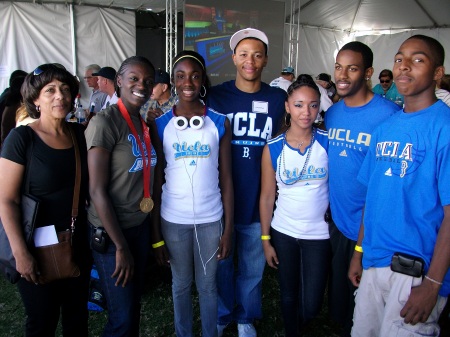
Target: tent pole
{"points": [[294, 34], [297, 37], [72, 31]]}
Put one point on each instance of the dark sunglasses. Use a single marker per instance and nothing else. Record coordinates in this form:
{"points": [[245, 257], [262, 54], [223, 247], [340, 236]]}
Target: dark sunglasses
{"points": [[385, 81], [44, 67]]}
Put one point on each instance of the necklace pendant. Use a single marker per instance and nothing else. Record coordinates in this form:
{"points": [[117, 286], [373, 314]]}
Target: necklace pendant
{"points": [[146, 205]]}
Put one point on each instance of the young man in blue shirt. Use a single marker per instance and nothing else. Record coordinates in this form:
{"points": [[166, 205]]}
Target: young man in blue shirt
{"points": [[350, 123], [407, 211]]}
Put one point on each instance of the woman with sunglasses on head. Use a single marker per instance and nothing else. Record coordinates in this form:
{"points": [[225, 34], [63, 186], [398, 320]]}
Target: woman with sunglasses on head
{"points": [[43, 154], [197, 197], [119, 160], [295, 237]]}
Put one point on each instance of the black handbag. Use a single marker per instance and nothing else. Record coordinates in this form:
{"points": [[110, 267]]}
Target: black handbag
{"points": [[29, 207]]}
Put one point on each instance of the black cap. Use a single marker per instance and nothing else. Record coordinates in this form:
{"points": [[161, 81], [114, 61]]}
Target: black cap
{"points": [[162, 76], [106, 72]]}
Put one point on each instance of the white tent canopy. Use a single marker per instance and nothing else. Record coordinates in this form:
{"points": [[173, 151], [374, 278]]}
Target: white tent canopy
{"points": [[326, 25], [77, 33]]}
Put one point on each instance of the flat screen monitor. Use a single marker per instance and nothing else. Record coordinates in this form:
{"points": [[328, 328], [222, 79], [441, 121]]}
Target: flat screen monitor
{"points": [[209, 25]]}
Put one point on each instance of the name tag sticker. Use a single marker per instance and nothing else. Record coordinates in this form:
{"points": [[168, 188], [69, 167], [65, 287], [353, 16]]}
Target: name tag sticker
{"points": [[260, 107]]}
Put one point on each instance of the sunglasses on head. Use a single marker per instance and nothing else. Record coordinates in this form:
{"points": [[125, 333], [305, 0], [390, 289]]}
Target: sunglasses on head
{"points": [[44, 67], [385, 81]]}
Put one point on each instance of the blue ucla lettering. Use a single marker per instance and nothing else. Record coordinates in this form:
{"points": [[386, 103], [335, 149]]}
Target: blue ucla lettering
{"points": [[311, 173], [196, 150], [135, 146], [138, 163], [245, 124], [320, 170]]}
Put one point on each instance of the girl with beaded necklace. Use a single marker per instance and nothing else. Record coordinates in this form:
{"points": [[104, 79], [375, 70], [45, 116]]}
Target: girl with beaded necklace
{"points": [[195, 228], [296, 239]]}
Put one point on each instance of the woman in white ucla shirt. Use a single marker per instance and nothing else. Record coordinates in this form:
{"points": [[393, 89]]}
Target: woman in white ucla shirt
{"points": [[296, 239], [197, 196]]}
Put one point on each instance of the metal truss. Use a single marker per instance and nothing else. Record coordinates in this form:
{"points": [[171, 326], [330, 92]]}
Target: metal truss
{"points": [[171, 32]]}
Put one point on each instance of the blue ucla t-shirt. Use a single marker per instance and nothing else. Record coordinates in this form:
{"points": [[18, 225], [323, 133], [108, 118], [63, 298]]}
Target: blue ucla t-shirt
{"points": [[406, 172], [349, 133]]}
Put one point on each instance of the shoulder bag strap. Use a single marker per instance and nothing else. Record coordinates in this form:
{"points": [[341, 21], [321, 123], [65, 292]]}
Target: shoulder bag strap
{"points": [[76, 189], [29, 156]]}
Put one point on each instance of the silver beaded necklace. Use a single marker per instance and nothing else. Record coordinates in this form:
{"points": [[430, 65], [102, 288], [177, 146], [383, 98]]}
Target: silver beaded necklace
{"points": [[305, 165]]}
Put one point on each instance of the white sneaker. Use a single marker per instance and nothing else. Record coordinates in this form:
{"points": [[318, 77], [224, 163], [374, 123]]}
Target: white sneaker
{"points": [[220, 328], [246, 330]]}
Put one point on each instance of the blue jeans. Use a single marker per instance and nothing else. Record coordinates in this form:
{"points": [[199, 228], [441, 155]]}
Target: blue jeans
{"points": [[193, 251], [124, 303], [240, 294], [303, 272]]}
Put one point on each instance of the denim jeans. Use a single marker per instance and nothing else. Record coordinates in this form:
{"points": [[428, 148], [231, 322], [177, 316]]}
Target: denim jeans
{"points": [[124, 303], [193, 253], [303, 272], [240, 293]]}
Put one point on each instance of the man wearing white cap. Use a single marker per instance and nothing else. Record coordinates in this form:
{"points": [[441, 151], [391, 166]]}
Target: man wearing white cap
{"points": [[285, 80], [254, 109]]}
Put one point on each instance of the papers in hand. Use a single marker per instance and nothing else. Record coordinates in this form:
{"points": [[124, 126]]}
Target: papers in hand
{"points": [[44, 236]]}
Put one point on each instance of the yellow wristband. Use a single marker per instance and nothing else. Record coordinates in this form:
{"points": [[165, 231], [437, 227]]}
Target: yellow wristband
{"points": [[158, 244], [265, 237], [358, 249]]}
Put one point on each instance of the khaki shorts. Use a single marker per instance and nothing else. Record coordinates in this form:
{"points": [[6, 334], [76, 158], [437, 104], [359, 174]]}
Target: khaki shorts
{"points": [[380, 297]]}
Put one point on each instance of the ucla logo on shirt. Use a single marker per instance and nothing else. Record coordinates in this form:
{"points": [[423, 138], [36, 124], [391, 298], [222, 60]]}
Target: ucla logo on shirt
{"points": [[138, 164], [404, 158], [197, 150], [312, 173], [345, 138]]}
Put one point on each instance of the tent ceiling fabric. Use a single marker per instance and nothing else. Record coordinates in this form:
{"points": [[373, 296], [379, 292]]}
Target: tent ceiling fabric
{"points": [[342, 15], [373, 15], [155, 5]]}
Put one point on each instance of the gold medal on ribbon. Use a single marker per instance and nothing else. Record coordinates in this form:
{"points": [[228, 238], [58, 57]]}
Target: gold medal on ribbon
{"points": [[146, 205]]}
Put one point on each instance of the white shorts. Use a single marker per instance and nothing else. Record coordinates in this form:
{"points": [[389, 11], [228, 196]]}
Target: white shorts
{"points": [[380, 297]]}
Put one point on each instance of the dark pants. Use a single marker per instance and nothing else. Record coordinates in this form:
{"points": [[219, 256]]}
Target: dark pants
{"points": [[341, 298], [303, 273], [45, 303], [124, 303]]}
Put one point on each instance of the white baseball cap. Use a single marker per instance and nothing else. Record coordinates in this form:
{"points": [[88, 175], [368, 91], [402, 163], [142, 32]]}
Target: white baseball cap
{"points": [[246, 33]]}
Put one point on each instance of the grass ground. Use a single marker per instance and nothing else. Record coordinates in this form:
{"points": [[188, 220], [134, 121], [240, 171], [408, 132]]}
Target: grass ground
{"points": [[157, 313]]}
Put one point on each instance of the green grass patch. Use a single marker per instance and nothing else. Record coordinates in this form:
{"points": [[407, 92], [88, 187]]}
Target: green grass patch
{"points": [[157, 311]]}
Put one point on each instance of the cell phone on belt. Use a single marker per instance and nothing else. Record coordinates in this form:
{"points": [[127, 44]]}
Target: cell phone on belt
{"points": [[99, 240], [407, 264]]}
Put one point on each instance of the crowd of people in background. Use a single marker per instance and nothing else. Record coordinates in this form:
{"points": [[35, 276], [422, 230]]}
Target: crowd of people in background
{"points": [[335, 184]]}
